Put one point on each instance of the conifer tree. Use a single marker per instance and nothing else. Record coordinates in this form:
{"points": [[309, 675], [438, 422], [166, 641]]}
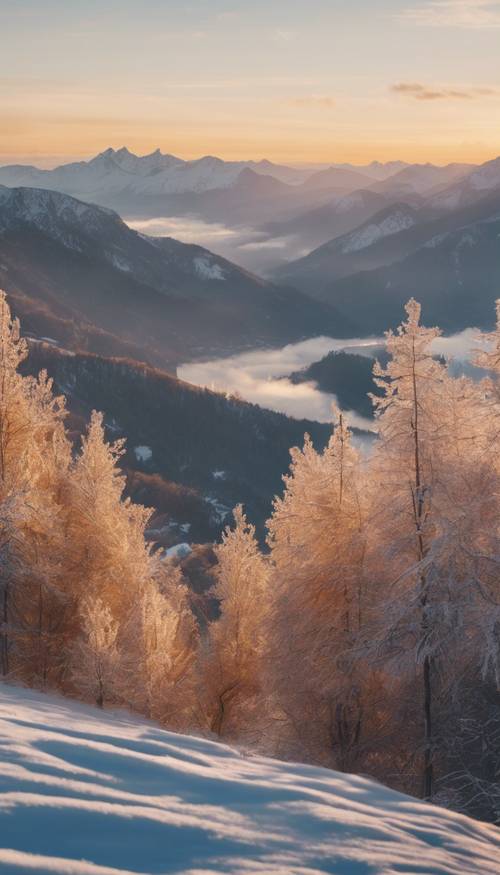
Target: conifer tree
{"points": [[158, 647], [317, 538], [231, 654], [94, 657]]}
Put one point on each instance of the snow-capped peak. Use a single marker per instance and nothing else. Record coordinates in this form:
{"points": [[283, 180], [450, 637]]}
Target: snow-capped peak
{"points": [[117, 172]]}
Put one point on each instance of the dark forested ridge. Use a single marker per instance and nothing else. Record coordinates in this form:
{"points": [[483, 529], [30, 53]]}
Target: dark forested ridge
{"points": [[347, 375]]}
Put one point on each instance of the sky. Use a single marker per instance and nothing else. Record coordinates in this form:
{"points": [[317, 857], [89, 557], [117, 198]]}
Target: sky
{"points": [[297, 81]]}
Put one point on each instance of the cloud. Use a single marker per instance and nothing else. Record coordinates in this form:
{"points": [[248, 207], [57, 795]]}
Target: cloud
{"points": [[474, 14], [418, 91], [315, 101]]}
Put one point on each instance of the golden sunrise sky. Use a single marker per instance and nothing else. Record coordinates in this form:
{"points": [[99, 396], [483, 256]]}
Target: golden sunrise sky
{"points": [[289, 80]]}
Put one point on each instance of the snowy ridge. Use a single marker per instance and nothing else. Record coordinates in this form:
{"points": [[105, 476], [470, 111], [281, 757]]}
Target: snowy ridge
{"points": [[396, 221], [155, 174], [96, 793], [49, 211], [77, 225]]}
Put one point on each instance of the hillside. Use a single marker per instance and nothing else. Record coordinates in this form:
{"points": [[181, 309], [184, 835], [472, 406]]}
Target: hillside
{"points": [[348, 252], [455, 275], [96, 793]]}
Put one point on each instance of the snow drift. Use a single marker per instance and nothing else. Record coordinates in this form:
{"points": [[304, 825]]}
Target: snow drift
{"points": [[87, 792]]}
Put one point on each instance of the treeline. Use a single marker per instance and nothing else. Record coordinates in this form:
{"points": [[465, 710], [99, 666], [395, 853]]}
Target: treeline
{"points": [[365, 638]]}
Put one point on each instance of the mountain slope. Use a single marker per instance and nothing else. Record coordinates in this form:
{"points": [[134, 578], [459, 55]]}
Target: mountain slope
{"points": [[455, 276], [96, 793], [338, 178], [423, 178], [348, 252], [314, 227], [78, 272], [391, 236]]}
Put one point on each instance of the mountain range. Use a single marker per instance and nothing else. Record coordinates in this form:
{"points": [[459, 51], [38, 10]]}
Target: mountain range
{"points": [[269, 214]]}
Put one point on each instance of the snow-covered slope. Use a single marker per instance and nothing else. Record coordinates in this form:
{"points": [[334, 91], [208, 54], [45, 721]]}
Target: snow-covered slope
{"points": [[348, 253], [396, 219], [93, 793]]}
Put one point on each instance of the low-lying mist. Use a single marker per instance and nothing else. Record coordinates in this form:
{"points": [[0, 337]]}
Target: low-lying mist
{"points": [[248, 247], [261, 376]]}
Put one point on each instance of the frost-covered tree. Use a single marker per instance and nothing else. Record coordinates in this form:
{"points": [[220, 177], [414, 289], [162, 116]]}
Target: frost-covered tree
{"points": [[108, 554], [232, 651], [317, 540], [429, 485], [34, 457], [404, 476], [158, 647], [94, 654]]}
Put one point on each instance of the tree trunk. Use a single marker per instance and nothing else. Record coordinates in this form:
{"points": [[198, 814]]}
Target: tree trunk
{"points": [[419, 513], [428, 764], [4, 638]]}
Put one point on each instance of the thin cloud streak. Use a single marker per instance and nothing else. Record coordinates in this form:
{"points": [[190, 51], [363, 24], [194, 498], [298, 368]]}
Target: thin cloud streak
{"points": [[315, 101], [474, 14], [418, 91]]}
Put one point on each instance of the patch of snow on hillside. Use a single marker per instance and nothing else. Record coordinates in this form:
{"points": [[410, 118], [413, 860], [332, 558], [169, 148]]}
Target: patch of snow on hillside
{"points": [[89, 792], [218, 511], [207, 270], [178, 551], [143, 453], [120, 263]]}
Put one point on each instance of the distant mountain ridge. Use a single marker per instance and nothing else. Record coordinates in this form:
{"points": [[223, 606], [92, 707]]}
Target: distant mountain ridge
{"points": [[155, 173]]}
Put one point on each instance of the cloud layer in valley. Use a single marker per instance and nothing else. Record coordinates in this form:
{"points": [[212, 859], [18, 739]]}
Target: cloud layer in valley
{"points": [[261, 376], [247, 247]]}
